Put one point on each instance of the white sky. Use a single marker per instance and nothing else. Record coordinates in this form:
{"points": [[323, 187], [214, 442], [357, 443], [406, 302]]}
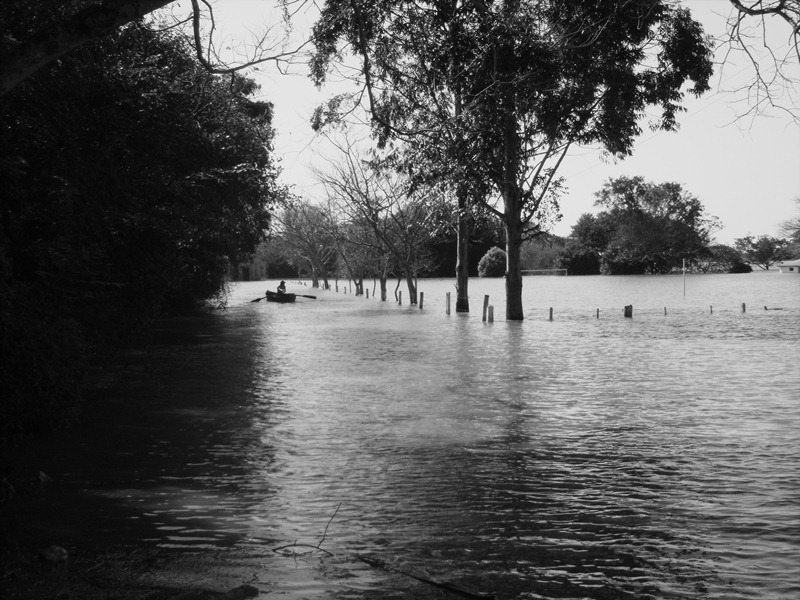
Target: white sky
{"points": [[745, 171]]}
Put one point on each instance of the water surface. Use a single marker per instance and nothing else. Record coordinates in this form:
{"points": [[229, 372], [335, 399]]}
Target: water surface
{"points": [[653, 457]]}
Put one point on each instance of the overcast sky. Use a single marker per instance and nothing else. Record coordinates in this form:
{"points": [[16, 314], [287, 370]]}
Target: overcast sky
{"points": [[745, 171]]}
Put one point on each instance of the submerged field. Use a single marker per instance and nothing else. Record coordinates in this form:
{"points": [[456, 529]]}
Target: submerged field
{"points": [[589, 457]]}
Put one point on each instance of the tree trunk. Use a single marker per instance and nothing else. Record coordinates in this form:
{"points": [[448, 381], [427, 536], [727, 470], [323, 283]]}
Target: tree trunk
{"points": [[513, 269], [384, 292], [462, 235], [412, 288], [512, 201], [462, 258], [384, 279]]}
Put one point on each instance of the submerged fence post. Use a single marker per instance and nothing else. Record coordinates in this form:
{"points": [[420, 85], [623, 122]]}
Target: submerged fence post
{"points": [[629, 311], [421, 299], [485, 306], [447, 308], [367, 290], [744, 308], [711, 308], [400, 297], [551, 313], [665, 311], [491, 314], [598, 313]]}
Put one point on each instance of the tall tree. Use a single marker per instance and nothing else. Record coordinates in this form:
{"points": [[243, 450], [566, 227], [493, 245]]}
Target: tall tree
{"points": [[522, 81], [763, 251], [646, 228], [311, 233], [588, 240], [656, 226], [376, 197], [790, 228]]}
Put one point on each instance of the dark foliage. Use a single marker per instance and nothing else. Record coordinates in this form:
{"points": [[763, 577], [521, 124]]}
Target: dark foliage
{"points": [[763, 251], [493, 263], [133, 179], [646, 228], [740, 268]]}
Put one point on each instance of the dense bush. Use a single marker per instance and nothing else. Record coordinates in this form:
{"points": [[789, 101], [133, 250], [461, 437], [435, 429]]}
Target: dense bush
{"points": [[579, 260], [132, 180], [740, 267], [493, 263]]}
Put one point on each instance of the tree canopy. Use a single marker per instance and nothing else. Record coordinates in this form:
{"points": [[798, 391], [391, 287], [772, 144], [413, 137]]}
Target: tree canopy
{"points": [[763, 251], [505, 89], [646, 228], [132, 178]]}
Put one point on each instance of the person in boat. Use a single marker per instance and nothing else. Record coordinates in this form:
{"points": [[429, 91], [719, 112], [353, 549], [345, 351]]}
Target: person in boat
{"points": [[282, 288]]}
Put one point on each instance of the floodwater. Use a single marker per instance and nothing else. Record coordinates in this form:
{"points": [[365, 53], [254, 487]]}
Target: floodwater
{"points": [[583, 457]]}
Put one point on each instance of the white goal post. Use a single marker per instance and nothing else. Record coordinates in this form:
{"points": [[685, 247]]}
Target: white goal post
{"points": [[545, 272]]}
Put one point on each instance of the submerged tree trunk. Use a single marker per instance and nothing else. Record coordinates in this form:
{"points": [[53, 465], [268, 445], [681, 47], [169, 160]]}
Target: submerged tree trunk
{"points": [[412, 287], [384, 278], [513, 206], [513, 267], [462, 258], [384, 290]]}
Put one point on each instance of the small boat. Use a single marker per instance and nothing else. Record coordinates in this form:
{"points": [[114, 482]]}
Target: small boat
{"points": [[276, 297]]}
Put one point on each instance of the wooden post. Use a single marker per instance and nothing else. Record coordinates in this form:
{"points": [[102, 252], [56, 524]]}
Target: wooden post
{"points": [[400, 297], [447, 308], [629, 311], [485, 306], [598, 313], [491, 314], [665, 311], [744, 308], [367, 290], [711, 308], [421, 299], [551, 313], [684, 277]]}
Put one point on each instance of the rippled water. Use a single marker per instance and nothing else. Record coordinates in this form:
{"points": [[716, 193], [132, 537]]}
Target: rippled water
{"points": [[653, 457]]}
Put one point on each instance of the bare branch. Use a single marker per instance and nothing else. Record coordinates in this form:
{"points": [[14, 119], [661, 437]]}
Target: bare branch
{"points": [[754, 28]]}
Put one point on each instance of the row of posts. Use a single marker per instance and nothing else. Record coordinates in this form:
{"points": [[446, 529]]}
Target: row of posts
{"points": [[488, 309]]}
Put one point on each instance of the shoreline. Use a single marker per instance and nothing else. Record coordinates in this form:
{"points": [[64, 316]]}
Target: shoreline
{"points": [[122, 573]]}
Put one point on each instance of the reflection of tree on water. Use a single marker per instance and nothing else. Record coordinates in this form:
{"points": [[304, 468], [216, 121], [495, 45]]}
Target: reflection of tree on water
{"points": [[565, 511], [175, 442]]}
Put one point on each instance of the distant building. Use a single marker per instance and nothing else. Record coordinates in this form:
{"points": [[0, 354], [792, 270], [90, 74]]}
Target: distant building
{"points": [[789, 266]]}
